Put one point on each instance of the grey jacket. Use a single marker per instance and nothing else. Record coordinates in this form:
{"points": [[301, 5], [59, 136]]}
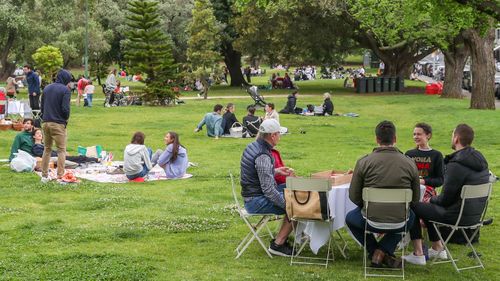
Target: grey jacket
{"points": [[385, 167], [135, 156]]}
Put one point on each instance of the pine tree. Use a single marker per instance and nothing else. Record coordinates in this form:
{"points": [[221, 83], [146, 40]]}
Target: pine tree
{"points": [[148, 50], [204, 39]]}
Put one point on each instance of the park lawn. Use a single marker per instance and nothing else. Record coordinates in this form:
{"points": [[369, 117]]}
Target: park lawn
{"points": [[187, 229]]}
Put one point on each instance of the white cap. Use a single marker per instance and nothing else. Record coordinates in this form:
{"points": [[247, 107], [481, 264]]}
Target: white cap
{"points": [[269, 126]]}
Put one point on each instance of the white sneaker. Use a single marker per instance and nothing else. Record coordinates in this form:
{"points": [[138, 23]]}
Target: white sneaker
{"points": [[45, 180], [413, 259], [440, 255]]}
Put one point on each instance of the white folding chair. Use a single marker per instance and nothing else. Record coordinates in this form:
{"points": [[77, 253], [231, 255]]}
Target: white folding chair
{"points": [[468, 192], [321, 185], [399, 198], [255, 228]]}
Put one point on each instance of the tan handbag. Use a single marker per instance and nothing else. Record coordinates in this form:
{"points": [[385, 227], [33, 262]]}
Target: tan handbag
{"points": [[310, 205]]}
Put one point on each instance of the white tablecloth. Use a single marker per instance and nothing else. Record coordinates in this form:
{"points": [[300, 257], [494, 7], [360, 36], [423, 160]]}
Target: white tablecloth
{"points": [[340, 205]]}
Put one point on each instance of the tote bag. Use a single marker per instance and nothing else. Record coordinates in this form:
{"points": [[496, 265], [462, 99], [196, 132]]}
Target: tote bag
{"points": [[309, 205]]}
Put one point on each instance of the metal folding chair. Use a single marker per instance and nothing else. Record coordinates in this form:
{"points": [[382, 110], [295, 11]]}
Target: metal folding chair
{"points": [[468, 192], [255, 228], [400, 198], [321, 185]]}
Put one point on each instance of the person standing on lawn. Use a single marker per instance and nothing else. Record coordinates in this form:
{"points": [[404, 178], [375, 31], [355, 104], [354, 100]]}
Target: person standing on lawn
{"points": [[33, 87], [55, 114], [80, 87]]}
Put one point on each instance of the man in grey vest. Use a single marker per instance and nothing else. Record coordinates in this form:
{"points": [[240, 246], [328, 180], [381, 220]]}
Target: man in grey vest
{"points": [[258, 187]]}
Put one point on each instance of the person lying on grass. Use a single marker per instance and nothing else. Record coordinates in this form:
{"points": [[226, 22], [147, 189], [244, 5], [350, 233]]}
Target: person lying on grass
{"points": [[173, 159], [38, 148]]}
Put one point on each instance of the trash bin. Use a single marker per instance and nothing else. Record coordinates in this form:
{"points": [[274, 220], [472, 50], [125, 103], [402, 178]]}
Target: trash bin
{"points": [[377, 87], [400, 84], [370, 82], [360, 85], [385, 84], [393, 84]]}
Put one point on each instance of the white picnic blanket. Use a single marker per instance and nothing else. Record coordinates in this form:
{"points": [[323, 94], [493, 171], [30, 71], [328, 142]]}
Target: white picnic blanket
{"points": [[100, 173]]}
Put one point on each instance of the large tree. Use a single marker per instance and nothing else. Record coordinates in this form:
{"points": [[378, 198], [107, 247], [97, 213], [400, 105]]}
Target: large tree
{"points": [[204, 41], [148, 51]]}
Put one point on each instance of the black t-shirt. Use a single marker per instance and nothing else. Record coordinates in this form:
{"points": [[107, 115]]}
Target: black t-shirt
{"points": [[251, 124], [429, 164], [228, 119]]}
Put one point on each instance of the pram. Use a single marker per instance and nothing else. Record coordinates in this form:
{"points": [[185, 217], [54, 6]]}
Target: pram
{"points": [[114, 99], [258, 99]]}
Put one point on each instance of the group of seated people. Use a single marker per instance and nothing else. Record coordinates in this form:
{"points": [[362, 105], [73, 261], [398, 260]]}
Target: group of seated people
{"points": [[278, 82], [219, 124], [139, 159], [326, 109], [385, 167]]}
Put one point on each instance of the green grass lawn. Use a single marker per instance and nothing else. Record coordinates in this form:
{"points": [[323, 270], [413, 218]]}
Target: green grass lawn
{"points": [[187, 229]]}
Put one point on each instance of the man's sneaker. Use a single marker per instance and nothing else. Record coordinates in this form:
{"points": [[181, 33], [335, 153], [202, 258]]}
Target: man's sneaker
{"points": [[45, 179], [284, 250], [413, 259], [440, 255]]}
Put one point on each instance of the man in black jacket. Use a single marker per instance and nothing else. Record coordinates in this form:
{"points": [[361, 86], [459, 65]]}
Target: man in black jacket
{"points": [[466, 166], [55, 114]]}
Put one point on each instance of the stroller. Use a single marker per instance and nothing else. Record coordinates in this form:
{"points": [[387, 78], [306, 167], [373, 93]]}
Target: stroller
{"points": [[258, 99], [112, 98]]}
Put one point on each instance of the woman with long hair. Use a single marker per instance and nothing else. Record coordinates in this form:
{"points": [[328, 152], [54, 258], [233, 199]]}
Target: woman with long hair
{"points": [[173, 159], [137, 158], [228, 119]]}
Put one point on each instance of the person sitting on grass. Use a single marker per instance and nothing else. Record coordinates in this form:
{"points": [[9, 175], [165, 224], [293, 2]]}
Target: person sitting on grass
{"points": [[290, 104], [228, 119], [24, 140], [259, 189], [271, 113], [251, 123], [213, 120], [137, 158], [38, 148], [327, 105], [173, 159]]}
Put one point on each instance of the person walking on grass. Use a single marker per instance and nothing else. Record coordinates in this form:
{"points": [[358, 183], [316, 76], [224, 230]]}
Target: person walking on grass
{"points": [[55, 114]]}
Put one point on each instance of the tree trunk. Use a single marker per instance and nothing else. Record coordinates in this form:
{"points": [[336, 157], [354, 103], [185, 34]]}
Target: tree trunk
{"points": [[454, 61], [232, 59], [482, 68], [7, 67], [395, 67]]}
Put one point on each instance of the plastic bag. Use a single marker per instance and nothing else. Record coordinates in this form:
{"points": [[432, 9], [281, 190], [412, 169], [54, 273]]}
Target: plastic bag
{"points": [[23, 162]]}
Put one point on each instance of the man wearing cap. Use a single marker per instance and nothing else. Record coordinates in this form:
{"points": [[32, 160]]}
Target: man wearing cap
{"points": [[259, 189]]}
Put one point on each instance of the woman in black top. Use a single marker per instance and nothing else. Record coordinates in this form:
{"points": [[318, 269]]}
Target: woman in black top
{"points": [[290, 104], [429, 161], [228, 119], [327, 105]]}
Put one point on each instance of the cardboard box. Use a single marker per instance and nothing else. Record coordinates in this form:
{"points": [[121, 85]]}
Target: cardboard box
{"points": [[337, 177]]}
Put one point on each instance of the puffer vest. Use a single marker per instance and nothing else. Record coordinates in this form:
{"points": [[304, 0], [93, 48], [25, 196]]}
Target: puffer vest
{"points": [[250, 184]]}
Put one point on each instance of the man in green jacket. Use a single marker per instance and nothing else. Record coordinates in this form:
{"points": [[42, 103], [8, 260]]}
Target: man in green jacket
{"points": [[385, 167], [24, 140]]}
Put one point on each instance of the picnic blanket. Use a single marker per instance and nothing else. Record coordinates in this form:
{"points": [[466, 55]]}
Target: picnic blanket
{"points": [[112, 174]]}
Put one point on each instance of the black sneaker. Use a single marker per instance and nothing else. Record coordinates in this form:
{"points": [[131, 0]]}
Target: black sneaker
{"points": [[284, 250]]}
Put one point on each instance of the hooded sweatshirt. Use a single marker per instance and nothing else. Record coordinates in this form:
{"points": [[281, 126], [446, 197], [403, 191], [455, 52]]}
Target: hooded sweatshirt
{"points": [[463, 167], [134, 157], [177, 168], [56, 99]]}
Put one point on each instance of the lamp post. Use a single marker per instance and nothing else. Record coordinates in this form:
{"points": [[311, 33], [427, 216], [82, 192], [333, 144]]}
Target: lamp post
{"points": [[86, 58]]}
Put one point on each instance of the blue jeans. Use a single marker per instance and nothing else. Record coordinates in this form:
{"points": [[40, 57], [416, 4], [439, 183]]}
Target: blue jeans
{"points": [[388, 243], [89, 99], [262, 205], [145, 169]]}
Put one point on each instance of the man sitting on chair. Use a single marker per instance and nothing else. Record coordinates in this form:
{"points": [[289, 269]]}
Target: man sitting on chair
{"points": [[259, 189], [385, 167], [466, 166]]}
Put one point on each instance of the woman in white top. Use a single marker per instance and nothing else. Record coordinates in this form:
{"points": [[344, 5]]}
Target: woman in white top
{"points": [[271, 113]]}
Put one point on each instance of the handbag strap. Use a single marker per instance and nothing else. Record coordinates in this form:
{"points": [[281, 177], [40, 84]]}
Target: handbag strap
{"points": [[297, 200], [236, 123]]}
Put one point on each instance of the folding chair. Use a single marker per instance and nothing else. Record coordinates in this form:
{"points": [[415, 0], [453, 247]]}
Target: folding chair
{"points": [[321, 185], [468, 192], [399, 198], [255, 228]]}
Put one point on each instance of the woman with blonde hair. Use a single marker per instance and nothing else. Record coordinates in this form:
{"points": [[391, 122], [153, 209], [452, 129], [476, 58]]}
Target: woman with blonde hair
{"points": [[327, 105]]}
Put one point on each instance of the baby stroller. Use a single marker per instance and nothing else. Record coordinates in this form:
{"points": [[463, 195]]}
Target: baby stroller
{"points": [[113, 98], [258, 99]]}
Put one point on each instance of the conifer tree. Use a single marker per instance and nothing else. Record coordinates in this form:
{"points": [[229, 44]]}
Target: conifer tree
{"points": [[148, 51], [204, 39]]}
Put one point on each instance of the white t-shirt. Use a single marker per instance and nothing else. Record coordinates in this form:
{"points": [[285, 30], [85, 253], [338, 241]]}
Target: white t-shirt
{"points": [[89, 89]]}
